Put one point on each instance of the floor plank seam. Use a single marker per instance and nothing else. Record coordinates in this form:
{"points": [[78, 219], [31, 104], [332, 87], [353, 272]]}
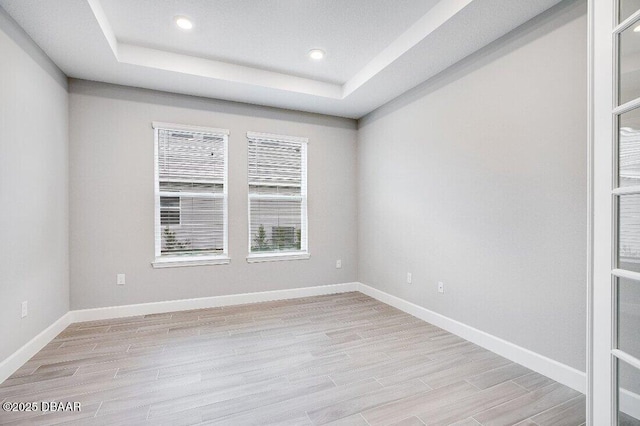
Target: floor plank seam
{"points": [[99, 406], [467, 381], [308, 417], [519, 385], [363, 418], [556, 406]]}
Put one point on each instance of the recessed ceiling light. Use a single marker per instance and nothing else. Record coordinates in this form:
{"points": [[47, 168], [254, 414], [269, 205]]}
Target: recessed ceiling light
{"points": [[184, 23], [316, 54], [637, 29]]}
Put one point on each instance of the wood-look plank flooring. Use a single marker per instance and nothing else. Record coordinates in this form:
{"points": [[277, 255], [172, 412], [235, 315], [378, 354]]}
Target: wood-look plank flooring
{"points": [[342, 359]]}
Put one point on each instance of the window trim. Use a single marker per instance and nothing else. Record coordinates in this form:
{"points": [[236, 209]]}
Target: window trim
{"points": [[303, 253], [195, 260], [277, 256], [168, 261]]}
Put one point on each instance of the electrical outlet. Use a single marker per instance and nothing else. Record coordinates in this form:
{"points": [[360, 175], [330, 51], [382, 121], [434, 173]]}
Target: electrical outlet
{"points": [[120, 280], [409, 278], [338, 263], [25, 308], [440, 287]]}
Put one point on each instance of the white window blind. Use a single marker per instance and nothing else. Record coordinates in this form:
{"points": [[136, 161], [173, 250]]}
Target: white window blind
{"points": [[277, 195], [191, 194]]}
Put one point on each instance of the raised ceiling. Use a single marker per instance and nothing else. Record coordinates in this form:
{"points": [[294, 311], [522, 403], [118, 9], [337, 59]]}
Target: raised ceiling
{"points": [[255, 51], [272, 35]]}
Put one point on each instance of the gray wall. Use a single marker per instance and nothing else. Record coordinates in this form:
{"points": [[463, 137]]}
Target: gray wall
{"points": [[478, 179], [112, 201], [33, 189]]}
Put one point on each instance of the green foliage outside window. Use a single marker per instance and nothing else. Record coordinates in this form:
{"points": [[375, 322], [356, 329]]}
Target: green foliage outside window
{"points": [[172, 243], [282, 238]]}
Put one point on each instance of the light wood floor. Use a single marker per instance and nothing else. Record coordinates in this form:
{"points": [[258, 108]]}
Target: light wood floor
{"points": [[341, 359]]}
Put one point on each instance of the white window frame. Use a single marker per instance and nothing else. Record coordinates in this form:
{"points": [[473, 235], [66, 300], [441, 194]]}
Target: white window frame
{"points": [[303, 253], [167, 261]]}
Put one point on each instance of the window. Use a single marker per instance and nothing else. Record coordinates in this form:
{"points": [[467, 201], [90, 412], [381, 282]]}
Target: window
{"points": [[190, 195], [277, 197]]}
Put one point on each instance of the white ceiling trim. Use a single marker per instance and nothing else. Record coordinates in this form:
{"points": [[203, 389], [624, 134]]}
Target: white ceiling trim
{"points": [[107, 31], [431, 21], [224, 71], [201, 67]]}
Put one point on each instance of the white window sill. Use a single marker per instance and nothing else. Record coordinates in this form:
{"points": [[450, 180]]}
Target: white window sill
{"points": [[176, 262], [276, 257]]}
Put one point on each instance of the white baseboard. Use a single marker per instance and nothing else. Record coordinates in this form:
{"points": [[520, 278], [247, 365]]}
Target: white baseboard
{"points": [[13, 362], [207, 302], [536, 362], [630, 403], [555, 370], [22, 355]]}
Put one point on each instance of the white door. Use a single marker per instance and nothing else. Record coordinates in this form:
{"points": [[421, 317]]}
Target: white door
{"points": [[614, 363]]}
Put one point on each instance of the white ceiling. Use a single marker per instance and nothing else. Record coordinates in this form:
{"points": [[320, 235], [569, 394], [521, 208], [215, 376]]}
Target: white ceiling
{"points": [[272, 35], [255, 50]]}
